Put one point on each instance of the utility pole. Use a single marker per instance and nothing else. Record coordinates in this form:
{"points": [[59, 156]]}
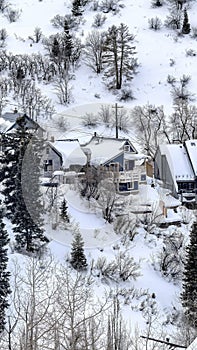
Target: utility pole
{"points": [[172, 346], [116, 116]]}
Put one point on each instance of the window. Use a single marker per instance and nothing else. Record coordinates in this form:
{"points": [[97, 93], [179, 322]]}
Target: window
{"points": [[186, 186], [47, 150], [127, 167], [126, 148], [143, 177], [129, 185], [48, 165]]}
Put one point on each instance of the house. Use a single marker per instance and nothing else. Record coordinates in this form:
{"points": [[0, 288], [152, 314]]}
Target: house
{"points": [[176, 166], [64, 155], [118, 159], [28, 123]]}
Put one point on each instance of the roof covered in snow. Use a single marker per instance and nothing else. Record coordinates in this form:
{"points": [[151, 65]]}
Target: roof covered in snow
{"points": [[193, 346], [191, 147], [104, 149], [178, 161], [70, 151]]}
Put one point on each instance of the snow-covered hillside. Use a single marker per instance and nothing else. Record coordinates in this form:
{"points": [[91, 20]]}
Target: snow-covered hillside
{"points": [[150, 297], [156, 50]]}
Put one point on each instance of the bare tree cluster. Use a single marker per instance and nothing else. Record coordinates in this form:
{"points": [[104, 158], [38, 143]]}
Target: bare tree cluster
{"points": [[122, 268], [170, 260], [52, 310], [150, 126]]}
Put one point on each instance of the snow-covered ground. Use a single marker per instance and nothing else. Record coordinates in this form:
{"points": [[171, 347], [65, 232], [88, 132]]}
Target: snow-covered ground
{"points": [[155, 51]]}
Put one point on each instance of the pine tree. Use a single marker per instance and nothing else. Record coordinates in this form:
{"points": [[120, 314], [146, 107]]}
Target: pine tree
{"points": [[4, 274], [186, 26], [118, 56], [77, 8], [78, 258], [55, 47], [8, 171], [28, 219], [64, 211], [20, 177], [189, 294]]}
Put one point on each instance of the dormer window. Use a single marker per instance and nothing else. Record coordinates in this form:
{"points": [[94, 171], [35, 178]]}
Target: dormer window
{"points": [[126, 148]]}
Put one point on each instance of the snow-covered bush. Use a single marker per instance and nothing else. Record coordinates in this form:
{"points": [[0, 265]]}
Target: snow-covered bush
{"points": [[122, 268], [110, 5], [58, 21], [3, 5], [90, 120], [155, 23], [170, 259], [126, 228], [95, 5], [190, 53], [99, 20], [194, 33], [157, 3], [12, 15], [37, 35], [125, 94]]}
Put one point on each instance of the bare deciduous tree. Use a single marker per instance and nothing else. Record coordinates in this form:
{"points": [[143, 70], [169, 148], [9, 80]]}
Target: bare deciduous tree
{"points": [[150, 126], [93, 50]]}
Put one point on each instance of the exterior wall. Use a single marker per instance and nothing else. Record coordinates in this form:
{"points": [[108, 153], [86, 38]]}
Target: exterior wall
{"points": [[163, 172], [50, 156], [129, 164], [119, 159]]}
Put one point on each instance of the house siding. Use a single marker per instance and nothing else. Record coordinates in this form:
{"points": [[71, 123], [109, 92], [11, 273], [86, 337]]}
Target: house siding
{"points": [[119, 159], [48, 155], [162, 172]]}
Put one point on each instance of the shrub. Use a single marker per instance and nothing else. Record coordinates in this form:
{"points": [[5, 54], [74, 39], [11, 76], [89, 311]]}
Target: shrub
{"points": [[155, 23], [99, 20], [3, 34], [90, 120], [190, 52], [12, 15], [194, 33]]}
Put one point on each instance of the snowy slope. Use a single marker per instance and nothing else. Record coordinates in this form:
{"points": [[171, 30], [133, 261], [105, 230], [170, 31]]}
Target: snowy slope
{"points": [[155, 50]]}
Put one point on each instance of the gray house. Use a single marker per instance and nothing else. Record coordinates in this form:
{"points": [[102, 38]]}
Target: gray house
{"points": [[176, 166], [28, 123], [65, 155], [118, 159]]}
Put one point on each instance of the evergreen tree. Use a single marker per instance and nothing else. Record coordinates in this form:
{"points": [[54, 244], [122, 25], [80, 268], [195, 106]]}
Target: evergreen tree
{"points": [[64, 211], [77, 8], [4, 274], [8, 170], [23, 203], [118, 56], [189, 294], [55, 47], [186, 26], [78, 258], [68, 45]]}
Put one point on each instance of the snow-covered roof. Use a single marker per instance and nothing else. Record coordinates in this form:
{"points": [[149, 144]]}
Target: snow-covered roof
{"points": [[104, 149], [70, 151], [191, 146], [193, 345], [178, 161]]}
